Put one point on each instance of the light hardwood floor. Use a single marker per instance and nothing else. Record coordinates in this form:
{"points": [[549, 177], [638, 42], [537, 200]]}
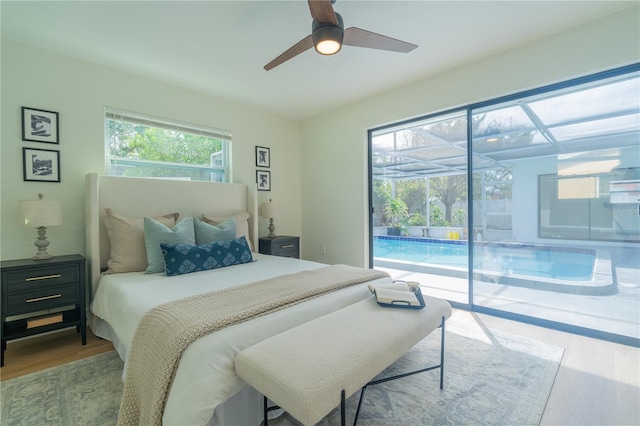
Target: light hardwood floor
{"points": [[598, 382], [48, 350]]}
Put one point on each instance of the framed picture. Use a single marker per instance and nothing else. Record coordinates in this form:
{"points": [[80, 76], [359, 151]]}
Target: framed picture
{"points": [[39, 125], [41, 165], [263, 179], [263, 156]]}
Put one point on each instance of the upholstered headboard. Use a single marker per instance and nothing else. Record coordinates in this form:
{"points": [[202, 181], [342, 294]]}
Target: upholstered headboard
{"points": [[139, 197]]}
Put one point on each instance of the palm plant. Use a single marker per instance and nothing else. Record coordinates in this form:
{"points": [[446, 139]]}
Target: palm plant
{"points": [[397, 212]]}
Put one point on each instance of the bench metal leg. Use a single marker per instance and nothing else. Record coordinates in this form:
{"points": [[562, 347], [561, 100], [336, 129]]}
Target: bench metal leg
{"points": [[355, 420], [265, 410], [399, 376], [442, 355]]}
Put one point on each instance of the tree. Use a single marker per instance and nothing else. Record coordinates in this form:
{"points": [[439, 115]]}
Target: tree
{"points": [[158, 145], [414, 193], [449, 190], [381, 196], [498, 184], [436, 217]]}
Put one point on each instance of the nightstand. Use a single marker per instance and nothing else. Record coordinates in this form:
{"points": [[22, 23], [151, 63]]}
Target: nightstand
{"points": [[42, 295], [282, 245]]}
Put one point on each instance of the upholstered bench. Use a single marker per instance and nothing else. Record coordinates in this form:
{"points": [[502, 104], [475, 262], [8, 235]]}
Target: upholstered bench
{"points": [[312, 368]]}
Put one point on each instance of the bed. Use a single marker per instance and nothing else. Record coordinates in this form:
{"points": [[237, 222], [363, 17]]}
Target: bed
{"points": [[205, 389]]}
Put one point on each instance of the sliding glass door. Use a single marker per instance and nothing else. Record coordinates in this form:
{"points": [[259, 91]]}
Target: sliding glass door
{"points": [[572, 257], [526, 206], [420, 208]]}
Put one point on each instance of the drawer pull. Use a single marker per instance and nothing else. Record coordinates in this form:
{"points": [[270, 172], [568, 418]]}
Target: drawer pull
{"points": [[39, 299], [287, 246], [44, 277]]}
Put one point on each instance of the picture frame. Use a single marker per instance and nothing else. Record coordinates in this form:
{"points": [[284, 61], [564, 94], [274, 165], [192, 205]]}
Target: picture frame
{"points": [[41, 165], [263, 157], [263, 179], [39, 125]]}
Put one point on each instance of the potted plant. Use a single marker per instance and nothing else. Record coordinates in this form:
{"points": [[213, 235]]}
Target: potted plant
{"points": [[396, 212]]}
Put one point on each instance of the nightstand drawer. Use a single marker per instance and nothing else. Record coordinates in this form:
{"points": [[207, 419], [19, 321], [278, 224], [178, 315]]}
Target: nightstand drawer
{"points": [[287, 250], [32, 278], [283, 246], [41, 299], [290, 244]]}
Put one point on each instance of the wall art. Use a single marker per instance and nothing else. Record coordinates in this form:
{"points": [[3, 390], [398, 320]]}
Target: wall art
{"points": [[263, 156], [39, 125], [41, 165], [263, 179]]}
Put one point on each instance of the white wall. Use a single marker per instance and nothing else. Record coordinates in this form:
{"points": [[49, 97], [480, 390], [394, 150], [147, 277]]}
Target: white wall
{"points": [[525, 196], [325, 200], [79, 91], [334, 145]]}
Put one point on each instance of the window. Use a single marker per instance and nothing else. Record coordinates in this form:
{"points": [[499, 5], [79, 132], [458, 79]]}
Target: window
{"points": [[144, 146], [526, 206]]}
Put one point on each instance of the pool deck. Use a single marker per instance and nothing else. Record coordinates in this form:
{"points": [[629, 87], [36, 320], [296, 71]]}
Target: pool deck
{"points": [[610, 302]]}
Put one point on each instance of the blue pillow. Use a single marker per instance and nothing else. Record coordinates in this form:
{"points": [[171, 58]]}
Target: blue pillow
{"points": [[183, 258], [155, 233], [206, 233]]}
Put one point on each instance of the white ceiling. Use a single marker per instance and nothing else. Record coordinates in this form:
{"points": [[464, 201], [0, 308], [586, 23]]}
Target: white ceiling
{"points": [[220, 47]]}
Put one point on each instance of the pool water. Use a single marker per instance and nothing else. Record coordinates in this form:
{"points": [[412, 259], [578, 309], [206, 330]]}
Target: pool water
{"points": [[565, 263]]}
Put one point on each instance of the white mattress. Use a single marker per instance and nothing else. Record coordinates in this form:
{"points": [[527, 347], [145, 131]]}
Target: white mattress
{"points": [[206, 377]]}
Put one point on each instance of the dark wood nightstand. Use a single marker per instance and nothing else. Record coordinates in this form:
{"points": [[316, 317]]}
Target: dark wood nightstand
{"points": [[282, 245], [42, 295]]}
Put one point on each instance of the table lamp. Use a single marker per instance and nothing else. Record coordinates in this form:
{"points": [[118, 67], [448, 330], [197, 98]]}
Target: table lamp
{"points": [[40, 213], [269, 211]]}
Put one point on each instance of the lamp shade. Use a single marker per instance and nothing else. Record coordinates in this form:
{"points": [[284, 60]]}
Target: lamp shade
{"points": [[269, 210], [40, 212]]}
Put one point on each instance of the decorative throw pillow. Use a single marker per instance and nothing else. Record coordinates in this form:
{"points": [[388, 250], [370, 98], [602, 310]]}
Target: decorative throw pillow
{"points": [[182, 259], [242, 224], [155, 233], [207, 233], [126, 239]]}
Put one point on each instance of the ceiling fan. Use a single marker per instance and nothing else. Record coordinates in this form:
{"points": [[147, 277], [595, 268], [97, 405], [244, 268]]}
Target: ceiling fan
{"points": [[328, 35]]}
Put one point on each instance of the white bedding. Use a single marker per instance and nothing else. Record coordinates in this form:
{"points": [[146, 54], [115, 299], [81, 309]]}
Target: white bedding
{"points": [[206, 377]]}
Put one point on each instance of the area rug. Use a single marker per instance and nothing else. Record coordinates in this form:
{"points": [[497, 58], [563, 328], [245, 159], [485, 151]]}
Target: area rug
{"points": [[491, 378], [85, 392]]}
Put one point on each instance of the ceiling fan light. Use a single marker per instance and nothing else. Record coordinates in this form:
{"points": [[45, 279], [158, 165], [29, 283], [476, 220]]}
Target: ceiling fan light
{"points": [[327, 38], [328, 47]]}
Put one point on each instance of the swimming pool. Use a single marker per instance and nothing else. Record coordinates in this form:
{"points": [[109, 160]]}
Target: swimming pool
{"points": [[562, 263]]}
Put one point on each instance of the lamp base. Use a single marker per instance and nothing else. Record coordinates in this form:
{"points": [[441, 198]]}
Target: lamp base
{"points": [[42, 243], [41, 256], [271, 229]]}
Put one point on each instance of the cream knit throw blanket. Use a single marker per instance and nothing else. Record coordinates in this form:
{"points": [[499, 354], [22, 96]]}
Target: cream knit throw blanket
{"points": [[166, 330]]}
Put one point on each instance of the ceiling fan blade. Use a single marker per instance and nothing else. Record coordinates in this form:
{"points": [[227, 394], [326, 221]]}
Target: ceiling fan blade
{"points": [[304, 44], [322, 11], [362, 38]]}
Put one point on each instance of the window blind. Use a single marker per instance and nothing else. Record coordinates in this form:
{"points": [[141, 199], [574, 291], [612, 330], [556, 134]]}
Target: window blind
{"points": [[150, 121]]}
